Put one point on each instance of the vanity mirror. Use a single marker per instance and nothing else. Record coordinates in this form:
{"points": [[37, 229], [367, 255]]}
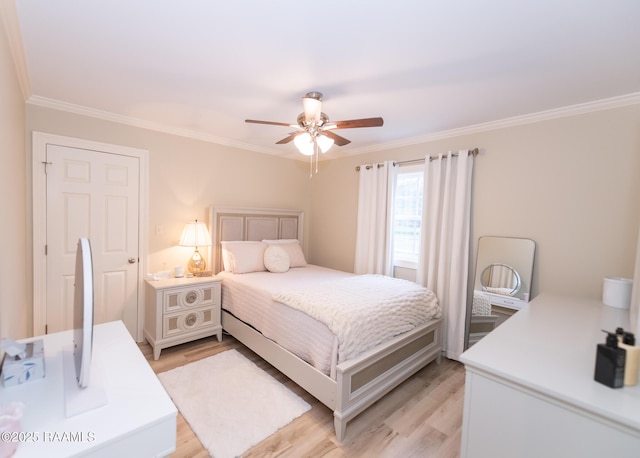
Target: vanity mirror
{"points": [[500, 279], [502, 282]]}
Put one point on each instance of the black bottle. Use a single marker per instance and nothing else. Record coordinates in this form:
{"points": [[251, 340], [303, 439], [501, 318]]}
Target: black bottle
{"points": [[610, 361]]}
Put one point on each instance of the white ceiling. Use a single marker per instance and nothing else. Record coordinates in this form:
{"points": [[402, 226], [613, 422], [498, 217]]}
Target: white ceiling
{"points": [[201, 67]]}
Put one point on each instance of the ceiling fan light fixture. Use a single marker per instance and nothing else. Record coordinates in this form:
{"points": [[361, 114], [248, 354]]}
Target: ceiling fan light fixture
{"points": [[312, 103], [314, 132], [324, 143], [304, 143]]}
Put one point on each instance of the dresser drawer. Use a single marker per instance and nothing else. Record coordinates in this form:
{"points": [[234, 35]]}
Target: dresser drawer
{"points": [[179, 299], [506, 301], [186, 322]]}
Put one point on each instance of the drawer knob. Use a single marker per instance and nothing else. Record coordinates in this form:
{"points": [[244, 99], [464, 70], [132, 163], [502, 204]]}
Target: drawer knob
{"points": [[191, 297], [190, 320]]}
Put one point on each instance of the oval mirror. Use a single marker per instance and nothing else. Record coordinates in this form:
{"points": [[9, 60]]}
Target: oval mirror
{"points": [[500, 279]]}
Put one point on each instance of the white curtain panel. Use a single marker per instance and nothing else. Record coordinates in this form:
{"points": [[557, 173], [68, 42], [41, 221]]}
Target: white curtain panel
{"points": [[375, 207], [446, 221]]}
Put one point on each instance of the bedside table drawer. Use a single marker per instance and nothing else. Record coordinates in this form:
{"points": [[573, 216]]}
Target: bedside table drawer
{"points": [[180, 310], [190, 297], [185, 322]]}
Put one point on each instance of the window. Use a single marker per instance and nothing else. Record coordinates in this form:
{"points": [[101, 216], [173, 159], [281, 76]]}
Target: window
{"points": [[407, 216]]}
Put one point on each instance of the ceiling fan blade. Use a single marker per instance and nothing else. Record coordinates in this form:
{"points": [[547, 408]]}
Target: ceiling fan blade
{"points": [[353, 123], [288, 138], [271, 123], [337, 139]]}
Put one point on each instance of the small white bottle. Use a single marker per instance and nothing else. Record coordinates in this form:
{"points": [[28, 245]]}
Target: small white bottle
{"points": [[632, 361]]}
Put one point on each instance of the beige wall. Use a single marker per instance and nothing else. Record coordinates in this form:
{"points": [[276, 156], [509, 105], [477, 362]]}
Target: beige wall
{"points": [[571, 184], [15, 314], [186, 176]]}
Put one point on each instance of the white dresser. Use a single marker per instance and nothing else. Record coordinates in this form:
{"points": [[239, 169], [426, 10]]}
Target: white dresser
{"points": [[139, 418], [530, 390]]}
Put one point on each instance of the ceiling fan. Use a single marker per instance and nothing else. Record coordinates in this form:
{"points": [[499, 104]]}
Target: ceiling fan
{"points": [[314, 130]]}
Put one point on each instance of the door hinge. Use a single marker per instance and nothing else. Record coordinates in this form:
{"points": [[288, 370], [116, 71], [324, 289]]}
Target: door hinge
{"points": [[46, 250], [46, 329], [45, 166]]}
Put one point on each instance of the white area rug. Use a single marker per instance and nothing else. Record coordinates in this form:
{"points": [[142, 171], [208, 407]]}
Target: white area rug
{"points": [[230, 403]]}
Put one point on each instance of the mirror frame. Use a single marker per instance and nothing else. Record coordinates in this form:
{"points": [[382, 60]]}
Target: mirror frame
{"points": [[502, 250], [518, 280], [509, 255]]}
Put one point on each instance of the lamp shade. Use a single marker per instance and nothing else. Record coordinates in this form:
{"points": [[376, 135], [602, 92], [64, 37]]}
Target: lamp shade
{"points": [[195, 234], [324, 143], [311, 104], [304, 143]]}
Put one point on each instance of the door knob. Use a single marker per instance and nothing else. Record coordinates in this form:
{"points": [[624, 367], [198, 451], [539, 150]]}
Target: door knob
{"points": [[132, 260]]}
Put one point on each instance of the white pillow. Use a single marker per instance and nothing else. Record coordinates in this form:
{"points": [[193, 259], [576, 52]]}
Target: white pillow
{"points": [[244, 257], [293, 249], [227, 262], [276, 259]]}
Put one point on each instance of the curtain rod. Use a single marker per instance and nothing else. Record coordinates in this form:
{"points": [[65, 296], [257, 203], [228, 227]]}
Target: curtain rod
{"points": [[368, 166], [472, 152]]}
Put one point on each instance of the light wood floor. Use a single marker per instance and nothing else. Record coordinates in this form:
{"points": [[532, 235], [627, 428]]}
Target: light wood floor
{"points": [[420, 418]]}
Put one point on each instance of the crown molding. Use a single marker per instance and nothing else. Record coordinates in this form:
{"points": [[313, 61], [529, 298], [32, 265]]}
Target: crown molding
{"points": [[144, 124], [9, 16], [572, 110]]}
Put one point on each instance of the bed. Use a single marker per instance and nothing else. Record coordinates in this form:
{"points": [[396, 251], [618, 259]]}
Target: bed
{"points": [[345, 374]]}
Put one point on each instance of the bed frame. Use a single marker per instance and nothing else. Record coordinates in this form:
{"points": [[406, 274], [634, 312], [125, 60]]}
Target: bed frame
{"points": [[359, 382]]}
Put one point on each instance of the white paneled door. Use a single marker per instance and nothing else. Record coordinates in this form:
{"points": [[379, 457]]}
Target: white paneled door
{"points": [[92, 194]]}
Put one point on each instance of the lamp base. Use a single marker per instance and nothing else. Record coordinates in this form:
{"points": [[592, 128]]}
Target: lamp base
{"points": [[197, 263]]}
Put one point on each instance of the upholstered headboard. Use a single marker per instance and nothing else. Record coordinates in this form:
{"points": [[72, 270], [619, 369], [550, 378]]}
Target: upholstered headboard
{"points": [[242, 223]]}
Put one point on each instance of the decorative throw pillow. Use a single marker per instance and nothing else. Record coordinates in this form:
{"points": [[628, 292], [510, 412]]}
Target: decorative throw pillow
{"points": [[293, 249], [276, 259], [244, 257]]}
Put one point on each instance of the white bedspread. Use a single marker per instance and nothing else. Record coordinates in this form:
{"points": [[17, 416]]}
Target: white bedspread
{"points": [[364, 310], [249, 297]]}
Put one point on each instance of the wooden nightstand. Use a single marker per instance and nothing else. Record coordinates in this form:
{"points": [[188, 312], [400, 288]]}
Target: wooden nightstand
{"points": [[180, 310]]}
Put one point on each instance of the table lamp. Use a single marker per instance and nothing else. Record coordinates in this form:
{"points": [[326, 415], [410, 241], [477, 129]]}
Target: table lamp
{"points": [[195, 234]]}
